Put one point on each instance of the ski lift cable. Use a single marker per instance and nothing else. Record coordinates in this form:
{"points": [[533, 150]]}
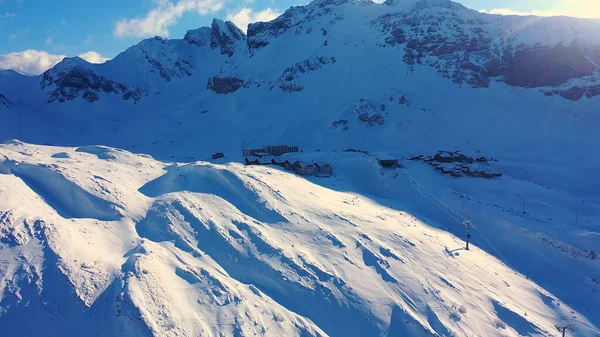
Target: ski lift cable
{"points": [[433, 202], [457, 213], [440, 201], [474, 227], [424, 190], [505, 260], [445, 211]]}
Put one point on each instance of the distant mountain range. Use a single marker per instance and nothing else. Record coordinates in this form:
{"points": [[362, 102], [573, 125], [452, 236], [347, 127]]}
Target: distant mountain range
{"points": [[302, 76]]}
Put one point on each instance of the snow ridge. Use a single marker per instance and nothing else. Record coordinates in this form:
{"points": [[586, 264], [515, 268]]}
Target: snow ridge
{"points": [[205, 249]]}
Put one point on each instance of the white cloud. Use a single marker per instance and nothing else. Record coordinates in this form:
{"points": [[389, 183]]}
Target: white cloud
{"points": [[32, 62], [7, 15], [166, 14], [576, 8], [35, 62], [244, 16], [93, 57], [508, 11]]}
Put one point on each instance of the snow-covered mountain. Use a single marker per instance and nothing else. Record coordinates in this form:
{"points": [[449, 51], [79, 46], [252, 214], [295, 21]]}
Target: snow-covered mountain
{"points": [[295, 78], [95, 240], [102, 242]]}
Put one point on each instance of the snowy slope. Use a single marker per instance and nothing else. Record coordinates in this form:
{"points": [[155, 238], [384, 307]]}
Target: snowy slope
{"points": [[101, 241], [122, 243]]}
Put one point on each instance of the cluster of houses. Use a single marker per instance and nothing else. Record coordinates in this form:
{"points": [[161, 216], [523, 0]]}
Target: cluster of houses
{"points": [[267, 155], [457, 164], [310, 169], [300, 168]]}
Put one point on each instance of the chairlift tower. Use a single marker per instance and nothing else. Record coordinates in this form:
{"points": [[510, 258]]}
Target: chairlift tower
{"points": [[564, 328], [467, 224]]}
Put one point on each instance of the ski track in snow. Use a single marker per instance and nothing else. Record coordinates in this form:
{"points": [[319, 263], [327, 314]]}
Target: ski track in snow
{"points": [[122, 243]]}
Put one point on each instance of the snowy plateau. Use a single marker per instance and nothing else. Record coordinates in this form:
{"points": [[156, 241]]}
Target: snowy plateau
{"points": [[116, 221]]}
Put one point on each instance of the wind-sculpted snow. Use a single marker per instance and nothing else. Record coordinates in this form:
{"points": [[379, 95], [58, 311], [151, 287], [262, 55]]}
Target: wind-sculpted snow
{"points": [[233, 250], [215, 181], [66, 198]]}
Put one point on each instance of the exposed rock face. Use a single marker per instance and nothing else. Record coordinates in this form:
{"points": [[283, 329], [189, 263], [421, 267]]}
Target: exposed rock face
{"points": [[470, 47], [575, 92], [67, 83], [367, 112], [340, 123], [445, 42], [164, 60], [464, 46], [260, 34], [224, 85], [542, 66], [4, 102], [199, 37], [225, 35], [288, 81], [222, 35]]}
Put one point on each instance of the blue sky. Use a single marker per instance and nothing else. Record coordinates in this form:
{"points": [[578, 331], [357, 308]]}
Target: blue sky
{"points": [[73, 27]]}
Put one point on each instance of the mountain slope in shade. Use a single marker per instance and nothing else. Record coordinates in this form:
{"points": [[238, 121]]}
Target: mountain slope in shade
{"points": [[101, 241]]}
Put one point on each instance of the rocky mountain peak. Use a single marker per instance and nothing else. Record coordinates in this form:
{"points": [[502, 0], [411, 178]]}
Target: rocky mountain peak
{"points": [[261, 34], [199, 37], [222, 35], [225, 35], [68, 63], [71, 80]]}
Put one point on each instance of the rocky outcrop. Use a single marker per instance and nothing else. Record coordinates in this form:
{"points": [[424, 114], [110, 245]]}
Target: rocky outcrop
{"points": [[340, 124], [222, 35], [260, 34], [440, 41], [225, 85], [577, 89], [199, 37], [4, 102], [367, 112], [542, 65], [164, 60], [470, 47], [69, 82], [288, 81], [225, 35]]}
